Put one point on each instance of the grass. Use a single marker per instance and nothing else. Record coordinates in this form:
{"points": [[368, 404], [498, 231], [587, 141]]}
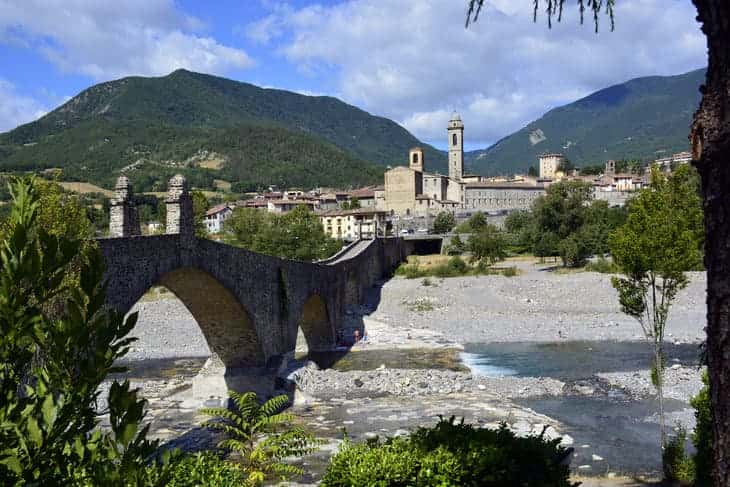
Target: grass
{"points": [[443, 266], [602, 265], [420, 305], [85, 188]]}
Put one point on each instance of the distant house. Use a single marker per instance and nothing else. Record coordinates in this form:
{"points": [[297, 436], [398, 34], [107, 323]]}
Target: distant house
{"points": [[357, 224], [214, 217], [285, 206]]}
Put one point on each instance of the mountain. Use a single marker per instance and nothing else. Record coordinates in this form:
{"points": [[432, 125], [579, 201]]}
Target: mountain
{"points": [[643, 118], [209, 127]]}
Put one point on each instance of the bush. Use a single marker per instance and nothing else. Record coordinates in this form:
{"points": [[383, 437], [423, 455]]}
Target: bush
{"points": [[207, 469], [678, 467], [452, 454], [54, 360], [410, 271], [510, 271], [574, 250], [457, 246], [602, 265], [702, 436]]}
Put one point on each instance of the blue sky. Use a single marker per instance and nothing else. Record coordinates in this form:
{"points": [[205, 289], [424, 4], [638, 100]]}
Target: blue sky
{"points": [[408, 60]]}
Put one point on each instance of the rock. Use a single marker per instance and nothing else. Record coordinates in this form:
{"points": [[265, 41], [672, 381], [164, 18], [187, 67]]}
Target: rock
{"points": [[596, 458], [584, 467], [676, 367], [358, 383], [481, 387]]}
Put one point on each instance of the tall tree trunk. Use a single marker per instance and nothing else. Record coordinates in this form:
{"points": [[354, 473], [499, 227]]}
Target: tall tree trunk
{"points": [[710, 139]]}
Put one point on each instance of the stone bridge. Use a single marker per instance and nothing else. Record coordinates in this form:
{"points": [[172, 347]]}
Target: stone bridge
{"points": [[249, 306]]}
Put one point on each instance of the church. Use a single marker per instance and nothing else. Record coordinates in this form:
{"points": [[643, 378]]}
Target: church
{"points": [[411, 191]]}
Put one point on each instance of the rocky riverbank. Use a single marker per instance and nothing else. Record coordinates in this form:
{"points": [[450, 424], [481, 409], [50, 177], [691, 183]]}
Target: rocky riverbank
{"points": [[403, 316]]}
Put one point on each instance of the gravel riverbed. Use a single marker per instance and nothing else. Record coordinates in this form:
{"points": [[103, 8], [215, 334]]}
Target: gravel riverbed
{"points": [[539, 305]]}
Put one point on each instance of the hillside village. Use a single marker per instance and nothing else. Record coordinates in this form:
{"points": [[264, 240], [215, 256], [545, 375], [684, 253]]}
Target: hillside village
{"points": [[411, 197]]}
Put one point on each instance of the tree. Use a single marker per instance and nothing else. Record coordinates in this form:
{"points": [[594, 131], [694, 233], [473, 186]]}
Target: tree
{"points": [[255, 433], [559, 217], [54, 363], [444, 222], [352, 204], [532, 171], [710, 140], [295, 235], [200, 206], [487, 246], [654, 262]]}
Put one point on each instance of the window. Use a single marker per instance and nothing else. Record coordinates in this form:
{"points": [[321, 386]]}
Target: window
{"points": [[454, 140], [415, 158]]}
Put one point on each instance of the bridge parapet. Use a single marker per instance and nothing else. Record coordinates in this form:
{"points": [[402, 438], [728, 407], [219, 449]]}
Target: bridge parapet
{"points": [[179, 205]]}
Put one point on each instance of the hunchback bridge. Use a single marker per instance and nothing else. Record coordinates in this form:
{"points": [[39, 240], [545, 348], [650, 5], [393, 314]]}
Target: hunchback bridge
{"points": [[249, 306]]}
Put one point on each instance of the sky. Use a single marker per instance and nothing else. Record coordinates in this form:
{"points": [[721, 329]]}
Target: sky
{"points": [[412, 61]]}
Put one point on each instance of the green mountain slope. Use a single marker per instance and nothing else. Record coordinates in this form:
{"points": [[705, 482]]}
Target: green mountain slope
{"points": [[172, 118], [642, 118]]}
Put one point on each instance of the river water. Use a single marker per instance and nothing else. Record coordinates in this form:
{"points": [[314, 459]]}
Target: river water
{"points": [[622, 431]]}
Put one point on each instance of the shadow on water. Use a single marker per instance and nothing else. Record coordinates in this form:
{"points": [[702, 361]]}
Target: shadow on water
{"points": [[569, 360]]}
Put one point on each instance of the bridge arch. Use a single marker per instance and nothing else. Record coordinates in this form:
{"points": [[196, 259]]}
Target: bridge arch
{"points": [[316, 324], [226, 325]]}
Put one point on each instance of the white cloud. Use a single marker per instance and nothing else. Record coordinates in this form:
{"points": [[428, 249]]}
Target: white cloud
{"points": [[412, 60], [17, 109], [113, 39]]}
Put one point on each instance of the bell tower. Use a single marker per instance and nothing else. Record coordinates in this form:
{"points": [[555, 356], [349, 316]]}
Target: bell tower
{"points": [[456, 147]]}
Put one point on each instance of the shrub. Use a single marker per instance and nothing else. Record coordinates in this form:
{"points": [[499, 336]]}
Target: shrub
{"points": [[602, 265], [487, 245], [410, 271], [458, 266], [261, 434], [678, 467], [427, 282], [702, 436], [457, 246], [452, 454], [574, 250], [54, 360], [509, 271], [209, 469]]}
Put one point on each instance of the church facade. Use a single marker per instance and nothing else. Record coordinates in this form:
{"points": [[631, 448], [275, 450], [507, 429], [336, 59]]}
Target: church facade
{"points": [[411, 191]]}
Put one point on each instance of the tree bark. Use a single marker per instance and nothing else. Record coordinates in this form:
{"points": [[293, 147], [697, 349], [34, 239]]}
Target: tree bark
{"points": [[710, 138]]}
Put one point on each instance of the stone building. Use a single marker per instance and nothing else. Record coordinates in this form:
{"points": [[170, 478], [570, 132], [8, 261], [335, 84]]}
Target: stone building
{"points": [[501, 196], [550, 164]]}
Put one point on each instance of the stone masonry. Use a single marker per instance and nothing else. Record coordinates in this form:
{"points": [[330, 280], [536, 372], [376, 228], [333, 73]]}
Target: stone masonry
{"points": [[248, 305]]}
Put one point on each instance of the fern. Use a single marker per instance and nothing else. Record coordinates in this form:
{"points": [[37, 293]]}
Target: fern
{"points": [[261, 435]]}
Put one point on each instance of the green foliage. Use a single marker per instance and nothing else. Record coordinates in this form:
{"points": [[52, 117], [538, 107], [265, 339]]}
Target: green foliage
{"points": [[444, 222], [207, 469], [661, 240], [295, 235], [678, 467], [352, 204], [456, 247], [702, 435], [566, 223], [602, 265], [262, 436], [53, 363], [510, 271], [487, 245], [451, 454], [200, 206]]}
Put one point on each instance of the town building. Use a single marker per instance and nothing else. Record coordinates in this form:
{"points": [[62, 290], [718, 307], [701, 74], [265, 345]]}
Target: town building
{"points": [[215, 216], [666, 164], [356, 224], [550, 165]]}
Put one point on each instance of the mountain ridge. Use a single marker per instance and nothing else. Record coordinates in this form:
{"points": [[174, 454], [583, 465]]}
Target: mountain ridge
{"points": [[642, 118]]}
